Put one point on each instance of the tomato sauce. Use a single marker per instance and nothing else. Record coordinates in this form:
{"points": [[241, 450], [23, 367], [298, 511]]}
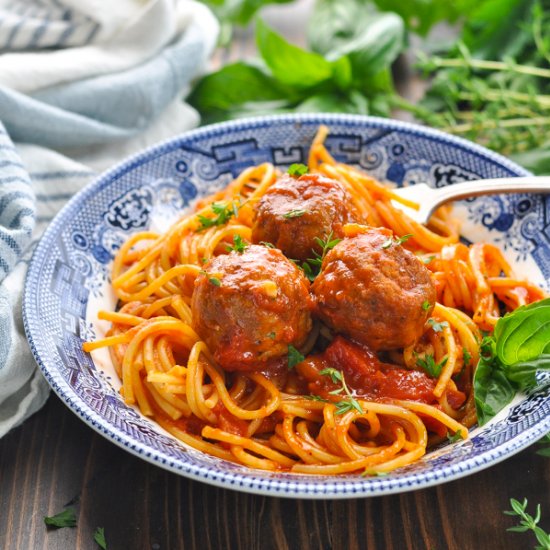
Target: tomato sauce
{"points": [[365, 375]]}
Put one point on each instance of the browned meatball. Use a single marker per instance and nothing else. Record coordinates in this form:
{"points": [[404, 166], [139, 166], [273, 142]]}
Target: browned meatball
{"points": [[249, 307], [375, 291], [293, 212]]}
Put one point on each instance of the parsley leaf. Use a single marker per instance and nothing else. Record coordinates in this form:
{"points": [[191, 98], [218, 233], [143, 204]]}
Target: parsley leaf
{"points": [[466, 356], [215, 281], [267, 245], [99, 537], [67, 518], [429, 365], [437, 326], [312, 266], [294, 357], [297, 213], [426, 305], [238, 245], [297, 169], [400, 240], [223, 214], [453, 438]]}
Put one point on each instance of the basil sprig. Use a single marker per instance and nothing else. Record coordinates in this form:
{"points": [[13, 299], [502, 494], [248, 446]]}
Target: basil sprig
{"points": [[511, 358]]}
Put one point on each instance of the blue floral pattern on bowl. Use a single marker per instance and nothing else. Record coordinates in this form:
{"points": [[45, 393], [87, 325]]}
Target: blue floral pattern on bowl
{"points": [[69, 276]]}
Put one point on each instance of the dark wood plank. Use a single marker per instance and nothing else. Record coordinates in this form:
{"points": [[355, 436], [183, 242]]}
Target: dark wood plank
{"points": [[54, 460]]}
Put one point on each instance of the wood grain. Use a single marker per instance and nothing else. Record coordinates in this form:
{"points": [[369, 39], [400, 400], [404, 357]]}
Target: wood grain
{"points": [[54, 460]]}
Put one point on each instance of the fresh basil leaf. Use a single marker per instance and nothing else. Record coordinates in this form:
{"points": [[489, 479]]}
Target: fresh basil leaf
{"points": [[370, 40], [236, 85], [524, 373], [290, 64], [524, 334], [333, 21], [353, 103], [492, 389], [421, 15]]}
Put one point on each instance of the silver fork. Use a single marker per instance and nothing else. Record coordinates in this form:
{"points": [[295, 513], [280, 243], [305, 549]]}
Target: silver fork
{"points": [[429, 198]]}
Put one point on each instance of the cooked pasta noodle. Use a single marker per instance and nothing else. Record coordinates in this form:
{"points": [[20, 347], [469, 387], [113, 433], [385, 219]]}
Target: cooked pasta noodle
{"points": [[271, 420]]}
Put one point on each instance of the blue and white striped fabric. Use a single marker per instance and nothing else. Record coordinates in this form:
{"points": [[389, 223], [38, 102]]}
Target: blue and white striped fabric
{"points": [[83, 83]]}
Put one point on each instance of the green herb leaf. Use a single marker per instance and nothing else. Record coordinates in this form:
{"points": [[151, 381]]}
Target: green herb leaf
{"points": [[429, 365], [294, 357], [400, 240], [528, 522], [238, 245], [215, 281], [345, 405], [453, 438], [271, 335], [290, 64], [545, 446], [335, 375], [267, 245], [99, 537], [426, 305], [466, 356], [524, 334], [67, 518], [312, 266], [231, 91], [344, 28], [297, 213], [492, 389], [223, 214], [297, 169]]}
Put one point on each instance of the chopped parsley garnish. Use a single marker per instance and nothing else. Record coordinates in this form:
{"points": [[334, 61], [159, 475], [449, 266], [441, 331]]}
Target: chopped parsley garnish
{"points": [[312, 266], [426, 305], [294, 357], [466, 356], [453, 438], [297, 169], [267, 245], [99, 537], [67, 518], [429, 365], [223, 214], [437, 326], [428, 260], [238, 245], [294, 213], [211, 279], [391, 241], [271, 335], [335, 375], [345, 405]]}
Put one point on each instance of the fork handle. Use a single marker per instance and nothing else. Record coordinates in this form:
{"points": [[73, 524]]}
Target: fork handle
{"points": [[475, 188]]}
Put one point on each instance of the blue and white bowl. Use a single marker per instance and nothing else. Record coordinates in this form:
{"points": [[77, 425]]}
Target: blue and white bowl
{"points": [[69, 280]]}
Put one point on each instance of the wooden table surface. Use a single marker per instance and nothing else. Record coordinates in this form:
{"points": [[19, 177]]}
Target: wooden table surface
{"points": [[54, 460]]}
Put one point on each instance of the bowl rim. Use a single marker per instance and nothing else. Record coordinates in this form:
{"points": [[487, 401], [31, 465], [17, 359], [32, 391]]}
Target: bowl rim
{"points": [[261, 483]]}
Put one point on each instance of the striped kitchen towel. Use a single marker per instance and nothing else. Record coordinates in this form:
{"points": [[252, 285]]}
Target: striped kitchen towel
{"points": [[83, 83]]}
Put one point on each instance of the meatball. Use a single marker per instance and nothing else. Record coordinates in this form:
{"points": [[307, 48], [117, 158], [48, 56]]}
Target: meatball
{"points": [[249, 307], [293, 212], [375, 291]]}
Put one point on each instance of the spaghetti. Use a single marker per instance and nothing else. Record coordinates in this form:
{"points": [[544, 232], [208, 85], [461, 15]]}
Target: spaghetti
{"points": [[318, 417]]}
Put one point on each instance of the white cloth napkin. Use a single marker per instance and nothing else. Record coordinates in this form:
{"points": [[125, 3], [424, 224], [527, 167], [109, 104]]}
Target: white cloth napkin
{"points": [[83, 83]]}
